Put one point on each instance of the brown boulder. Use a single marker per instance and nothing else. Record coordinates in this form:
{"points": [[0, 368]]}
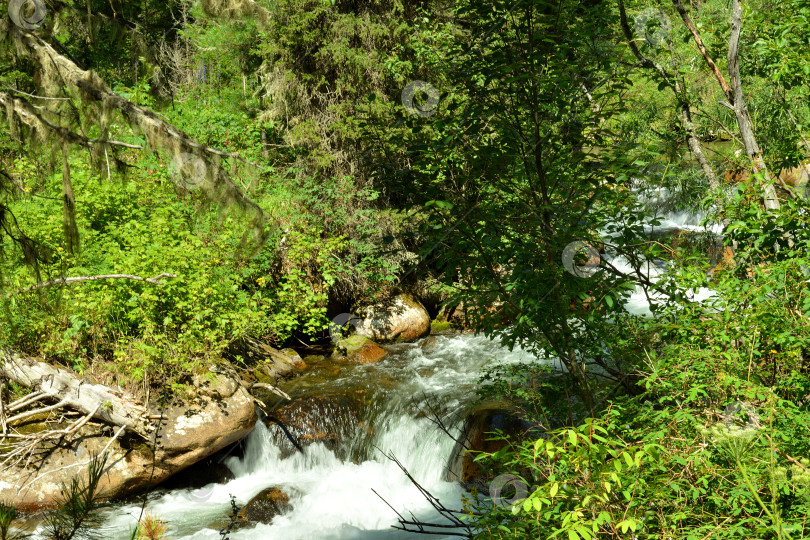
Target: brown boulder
{"points": [[221, 414], [402, 318], [265, 506], [329, 419], [359, 349], [477, 436]]}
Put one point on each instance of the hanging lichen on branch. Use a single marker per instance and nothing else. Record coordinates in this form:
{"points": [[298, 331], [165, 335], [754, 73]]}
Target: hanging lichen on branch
{"points": [[59, 122]]}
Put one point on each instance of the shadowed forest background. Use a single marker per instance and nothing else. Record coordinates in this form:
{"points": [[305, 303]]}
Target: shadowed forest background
{"points": [[221, 171]]}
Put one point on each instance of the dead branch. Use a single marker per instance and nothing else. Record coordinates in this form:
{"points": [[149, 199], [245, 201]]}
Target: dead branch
{"points": [[67, 281], [273, 389], [418, 526], [27, 444], [25, 401], [70, 391], [34, 412]]}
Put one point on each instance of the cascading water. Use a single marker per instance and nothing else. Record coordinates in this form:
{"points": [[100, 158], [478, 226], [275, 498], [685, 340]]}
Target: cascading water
{"points": [[332, 491], [659, 202], [332, 498]]}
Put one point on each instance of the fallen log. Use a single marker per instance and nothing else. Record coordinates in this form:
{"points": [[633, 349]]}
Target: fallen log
{"points": [[69, 390]]}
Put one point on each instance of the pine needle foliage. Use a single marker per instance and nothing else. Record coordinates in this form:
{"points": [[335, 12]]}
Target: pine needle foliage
{"points": [[79, 513]]}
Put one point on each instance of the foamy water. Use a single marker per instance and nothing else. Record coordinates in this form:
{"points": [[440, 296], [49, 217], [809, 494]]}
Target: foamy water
{"points": [[335, 498]]}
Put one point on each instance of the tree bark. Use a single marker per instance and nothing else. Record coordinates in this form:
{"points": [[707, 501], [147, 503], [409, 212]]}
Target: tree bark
{"points": [[741, 109], [69, 390], [70, 229], [684, 111], [735, 96], [697, 150]]}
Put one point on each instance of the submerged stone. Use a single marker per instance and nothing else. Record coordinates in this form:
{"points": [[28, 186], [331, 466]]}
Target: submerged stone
{"points": [[268, 504]]}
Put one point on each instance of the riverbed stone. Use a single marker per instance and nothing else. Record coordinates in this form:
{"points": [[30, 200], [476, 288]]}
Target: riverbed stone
{"points": [[266, 505], [359, 350], [221, 414], [402, 318], [329, 419]]}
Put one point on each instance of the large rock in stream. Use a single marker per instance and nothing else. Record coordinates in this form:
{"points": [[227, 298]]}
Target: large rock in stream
{"points": [[262, 508], [358, 350], [329, 419], [477, 436], [402, 318], [220, 413]]}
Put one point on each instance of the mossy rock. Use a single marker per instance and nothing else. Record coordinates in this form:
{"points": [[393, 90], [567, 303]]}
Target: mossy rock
{"points": [[442, 327], [359, 349], [268, 504]]}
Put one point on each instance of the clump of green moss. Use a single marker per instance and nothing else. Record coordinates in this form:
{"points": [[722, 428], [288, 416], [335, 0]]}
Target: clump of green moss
{"points": [[437, 326]]}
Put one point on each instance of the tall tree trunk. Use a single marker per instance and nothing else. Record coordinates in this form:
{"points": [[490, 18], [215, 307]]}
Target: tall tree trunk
{"points": [[678, 87], [734, 95], [741, 109], [697, 150], [71, 230]]}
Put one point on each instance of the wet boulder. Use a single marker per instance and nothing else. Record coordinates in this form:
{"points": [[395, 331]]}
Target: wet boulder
{"points": [[400, 319], [478, 436], [266, 505], [329, 419], [359, 350]]}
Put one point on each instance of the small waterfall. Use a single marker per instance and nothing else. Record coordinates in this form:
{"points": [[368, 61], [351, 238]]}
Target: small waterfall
{"points": [[332, 498], [332, 493]]}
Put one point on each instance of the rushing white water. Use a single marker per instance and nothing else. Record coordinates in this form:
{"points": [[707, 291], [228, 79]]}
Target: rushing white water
{"points": [[669, 221], [333, 498]]}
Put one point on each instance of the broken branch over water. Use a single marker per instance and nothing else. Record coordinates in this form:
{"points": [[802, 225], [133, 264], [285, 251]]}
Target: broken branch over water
{"points": [[416, 525]]}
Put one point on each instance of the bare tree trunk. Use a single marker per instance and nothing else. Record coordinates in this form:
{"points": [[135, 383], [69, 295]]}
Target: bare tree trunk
{"points": [[741, 109], [679, 89], [697, 150], [89, 22], [69, 390], [71, 230], [734, 95]]}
